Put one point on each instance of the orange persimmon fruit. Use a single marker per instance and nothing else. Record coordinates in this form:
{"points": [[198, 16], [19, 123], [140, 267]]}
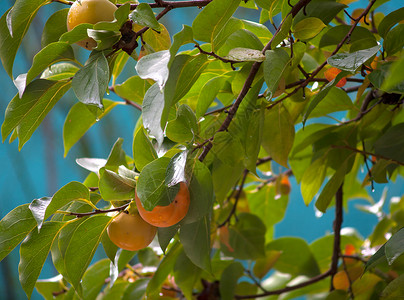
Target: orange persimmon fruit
{"points": [[331, 73], [166, 216]]}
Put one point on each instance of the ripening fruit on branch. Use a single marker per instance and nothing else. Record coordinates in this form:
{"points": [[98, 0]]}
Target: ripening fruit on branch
{"points": [[131, 232], [331, 73], [89, 11], [166, 216]]}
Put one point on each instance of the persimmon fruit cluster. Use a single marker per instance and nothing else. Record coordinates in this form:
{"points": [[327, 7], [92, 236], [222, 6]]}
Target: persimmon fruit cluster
{"points": [[92, 12], [169, 215], [130, 231]]}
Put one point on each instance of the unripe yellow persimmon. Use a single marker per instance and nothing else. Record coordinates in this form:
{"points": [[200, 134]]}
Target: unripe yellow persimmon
{"points": [[166, 216], [89, 11], [131, 232]]}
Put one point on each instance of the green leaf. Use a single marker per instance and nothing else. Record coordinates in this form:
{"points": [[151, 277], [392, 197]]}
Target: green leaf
{"points": [[184, 72], [283, 32], [268, 207], [165, 235], [25, 114], [134, 89], [395, 75], [185, 36], [154, 66], [352, 61], [393, 42], [143, 15], [331, 188], [186, 274], [245, 54], [14, 227], [136, 290], [94, 278], [208, 93], [184, 127], [389, 21], [105, 39], [116, 157], [143, 150], [394, 290], [120, 62], [209, 23], [151, 187], [79, 120], [164, 269], [275, 64], [47, 287], [60, 71], [322, 94], [308, 28], [313, 178], [229, 279], [33, 253], [55, 26], [77, 34], [376, 258], [335, 35], [157, 40], [390, 144], [78, 254], [115, 187], [152, 112], [231, 34], [279, 133], [335, 100], [90, 82], [395, 246], [19, 17], [201, 193], [246, 237], [175, 172], [195, 238], [380, 76], [324, 10], [296, 258]]}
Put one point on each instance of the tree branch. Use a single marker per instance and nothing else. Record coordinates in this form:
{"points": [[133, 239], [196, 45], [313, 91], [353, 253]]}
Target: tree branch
{"points": [[288, 288], [247, 84], [99, 211], [337, 233]]}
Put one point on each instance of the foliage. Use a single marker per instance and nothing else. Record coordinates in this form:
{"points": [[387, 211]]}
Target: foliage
{"points": [[234, 115]]}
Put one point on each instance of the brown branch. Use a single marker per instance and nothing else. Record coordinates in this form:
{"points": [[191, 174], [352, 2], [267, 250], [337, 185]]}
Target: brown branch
{"points": [[319, 68], [288, 288], [99, 211], [236, 197], [127, 101], [159, 3], [337, 233], [368, 153], [247, 84], [225, 60], [364, 110]]}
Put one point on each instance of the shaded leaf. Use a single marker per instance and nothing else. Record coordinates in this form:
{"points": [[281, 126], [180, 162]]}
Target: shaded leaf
{"points": [[143, 15], [25, 114], [90, 82], [229, 279], [33, 253], [195, 238], [79, 120], [55, 26], [275, 64], [14, 227], [78, 254], [308, 28], [143, 151]]}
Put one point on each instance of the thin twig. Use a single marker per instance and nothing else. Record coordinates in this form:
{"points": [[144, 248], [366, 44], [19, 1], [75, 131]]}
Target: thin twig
{"points": [[225, 60], [337, 233], [236, 198], [288, 288], [250, 78], [368, 153], [99, 211]]}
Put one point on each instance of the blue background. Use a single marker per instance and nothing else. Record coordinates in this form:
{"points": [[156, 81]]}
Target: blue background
{"points": [[39, 169]]}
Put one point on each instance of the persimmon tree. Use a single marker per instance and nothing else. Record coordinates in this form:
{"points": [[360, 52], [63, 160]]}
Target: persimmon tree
{"points": [[230, 110]]}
